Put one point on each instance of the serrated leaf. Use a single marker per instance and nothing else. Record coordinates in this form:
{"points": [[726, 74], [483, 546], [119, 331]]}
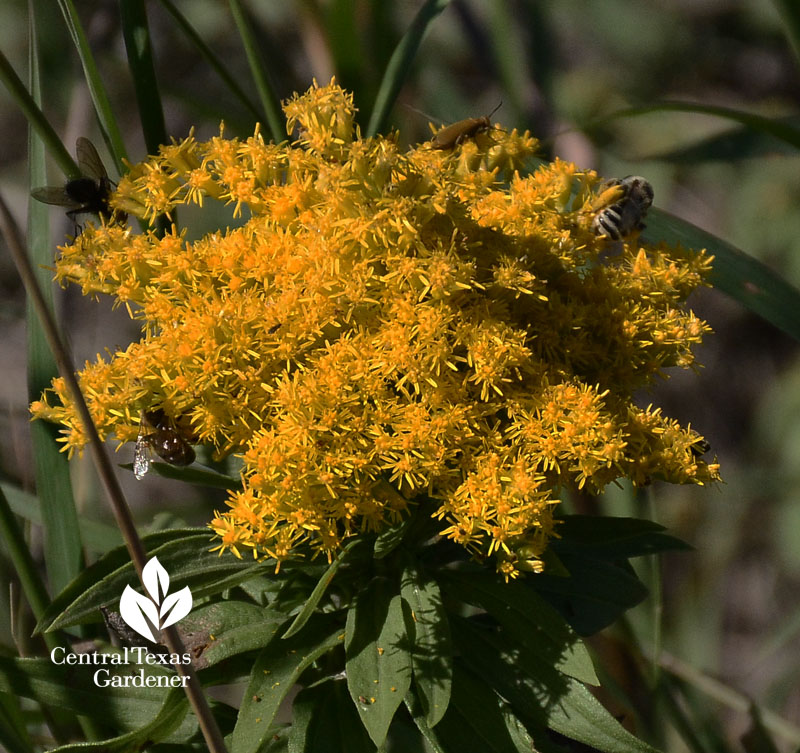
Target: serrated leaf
{"points": [[596, 594], [183, 552], [431, 652], [527, 617], [72, 687], [324, 719], [319, 591], [275, 672], [615, 538], [378, 660], [542, 697], [170, 715]]}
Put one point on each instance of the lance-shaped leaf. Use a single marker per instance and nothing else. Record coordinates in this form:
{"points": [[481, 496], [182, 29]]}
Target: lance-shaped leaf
{"points": [[378, 660]]}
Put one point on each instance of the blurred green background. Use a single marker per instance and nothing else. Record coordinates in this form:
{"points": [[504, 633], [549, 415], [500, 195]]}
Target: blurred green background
{"points": [[731, 608]]}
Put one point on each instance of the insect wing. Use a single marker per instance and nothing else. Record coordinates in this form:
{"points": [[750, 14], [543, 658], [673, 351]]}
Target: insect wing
{"points": [[89, 160], [55, 195], [141, 454]]}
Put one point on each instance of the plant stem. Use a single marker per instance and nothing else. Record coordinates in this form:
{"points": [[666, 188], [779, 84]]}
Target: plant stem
{"points": [[119, 505]]}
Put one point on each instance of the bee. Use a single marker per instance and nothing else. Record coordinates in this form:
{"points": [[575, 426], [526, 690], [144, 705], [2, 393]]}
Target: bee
{"points": [[88, 194], [158, 433], [451, 136], [625, 215], [699, 448]]}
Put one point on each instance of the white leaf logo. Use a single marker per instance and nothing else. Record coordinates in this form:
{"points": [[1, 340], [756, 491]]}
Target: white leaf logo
{"points": [[148, 616]]}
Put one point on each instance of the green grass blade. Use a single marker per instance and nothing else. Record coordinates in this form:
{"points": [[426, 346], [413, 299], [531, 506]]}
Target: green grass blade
{"points": [[400, 64], [743, 278], [269, 99], [21, 558], [37, 120], [780, 128], [790, 12], [13, 732], [102, 105], [138, 45], [62, 540], [211, 58], [508, 51], [732, 145], [341, 24]]}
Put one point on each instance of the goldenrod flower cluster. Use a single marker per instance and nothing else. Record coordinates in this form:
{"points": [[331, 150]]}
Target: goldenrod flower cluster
{"points": [[373, 328]]}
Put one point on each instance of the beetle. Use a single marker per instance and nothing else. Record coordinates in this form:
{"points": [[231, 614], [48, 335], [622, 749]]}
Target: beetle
{"points": [[451, 136]]}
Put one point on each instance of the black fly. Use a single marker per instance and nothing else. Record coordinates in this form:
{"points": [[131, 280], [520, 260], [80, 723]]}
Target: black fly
{"points": [[88, 194]]}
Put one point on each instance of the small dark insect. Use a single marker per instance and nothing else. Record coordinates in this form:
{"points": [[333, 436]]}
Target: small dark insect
{"points": [[451, 136], [158, 433], [627, 213], [699, 448], [88, 194]]}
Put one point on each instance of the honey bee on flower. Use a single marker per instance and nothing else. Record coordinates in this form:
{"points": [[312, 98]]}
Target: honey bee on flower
{"points": [[158, 434]]}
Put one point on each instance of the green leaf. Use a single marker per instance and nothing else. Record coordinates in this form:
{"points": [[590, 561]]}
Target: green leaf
{"points": [[541, 697], [97, 537], [211, 58], [270, 102], [475, 720], [400, 64], [138, 46], [72, 687], [13, 732], [527, 617], [37, 121], [733, 145], [215, 632], [740, 276], [183, 552], [777, 127], [194, 474], [790, 11], [63, 553], [391, 538], [102, 105], [276, 670], [614, 538], [169, 717], [319, 591], [324, 719], [595, 594], [432, 651], [378, 660]]}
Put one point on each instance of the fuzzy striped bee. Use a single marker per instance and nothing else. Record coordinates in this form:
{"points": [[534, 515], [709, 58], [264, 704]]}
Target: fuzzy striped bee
{"points": [[158, 433], [627, 213], [88, 194]]}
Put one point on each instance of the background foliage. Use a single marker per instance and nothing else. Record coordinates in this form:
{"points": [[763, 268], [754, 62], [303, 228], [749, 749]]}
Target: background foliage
{"points": [[727, 611]]}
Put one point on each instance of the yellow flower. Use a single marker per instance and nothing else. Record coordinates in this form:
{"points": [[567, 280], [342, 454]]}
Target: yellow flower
{"points": [[373, 329]]}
